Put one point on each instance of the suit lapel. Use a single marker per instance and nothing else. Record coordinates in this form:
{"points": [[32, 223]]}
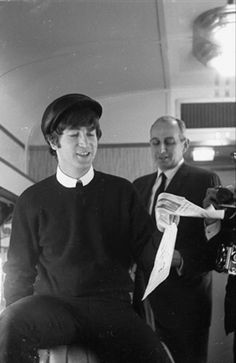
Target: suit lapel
{"points": [[176, 185], [178, 181]]}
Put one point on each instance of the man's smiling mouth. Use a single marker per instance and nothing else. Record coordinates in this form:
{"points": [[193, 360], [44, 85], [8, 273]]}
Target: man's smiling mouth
{"points": [[83, 153]]}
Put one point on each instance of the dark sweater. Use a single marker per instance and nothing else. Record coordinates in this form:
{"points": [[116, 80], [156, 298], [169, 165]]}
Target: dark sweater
{"points": [[75, 242]]}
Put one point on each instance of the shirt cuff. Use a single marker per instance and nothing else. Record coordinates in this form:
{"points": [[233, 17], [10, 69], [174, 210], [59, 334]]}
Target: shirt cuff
{"points": [[212, 229]]}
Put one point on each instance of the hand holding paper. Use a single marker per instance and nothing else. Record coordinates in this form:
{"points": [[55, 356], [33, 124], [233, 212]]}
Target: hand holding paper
{"points": [[180, 206], [169, 208]]}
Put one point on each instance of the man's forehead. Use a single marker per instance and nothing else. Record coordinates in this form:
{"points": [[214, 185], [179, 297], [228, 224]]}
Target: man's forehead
{"points": [[165, 132], [165, 123]]}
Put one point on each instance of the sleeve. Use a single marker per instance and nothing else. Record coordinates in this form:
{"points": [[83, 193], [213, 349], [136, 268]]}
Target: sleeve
{"points": [[212, 229], [20, 268], [145, 236], [195, 248]]}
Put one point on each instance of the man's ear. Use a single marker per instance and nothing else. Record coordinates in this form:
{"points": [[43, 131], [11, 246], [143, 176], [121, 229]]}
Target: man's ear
{"points": [[52, 143], [186, 145]]}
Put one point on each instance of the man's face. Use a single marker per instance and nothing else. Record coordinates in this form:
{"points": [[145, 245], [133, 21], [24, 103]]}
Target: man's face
{"points": [[167, 144], [76, 150]]}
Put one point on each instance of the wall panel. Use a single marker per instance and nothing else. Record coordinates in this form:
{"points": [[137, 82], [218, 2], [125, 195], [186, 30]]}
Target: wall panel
{"points": [[128, 161]]}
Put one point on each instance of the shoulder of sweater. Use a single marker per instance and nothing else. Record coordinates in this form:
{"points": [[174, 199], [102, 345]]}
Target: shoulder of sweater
{"points": [[45, 184], [110, 178]]}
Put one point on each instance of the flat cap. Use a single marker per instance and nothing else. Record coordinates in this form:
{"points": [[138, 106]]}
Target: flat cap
{"points": [[55, 109]]}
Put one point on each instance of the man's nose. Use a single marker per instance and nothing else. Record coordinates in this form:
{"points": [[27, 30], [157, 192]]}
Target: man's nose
{"points": [[162, 147], [82, 139]]}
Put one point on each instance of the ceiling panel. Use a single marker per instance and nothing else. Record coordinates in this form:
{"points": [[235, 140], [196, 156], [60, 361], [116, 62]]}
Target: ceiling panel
{"points": [[34, 31], [99, 47]]}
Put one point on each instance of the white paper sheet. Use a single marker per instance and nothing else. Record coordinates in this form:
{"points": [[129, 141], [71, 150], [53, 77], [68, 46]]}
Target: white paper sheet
{"points": [[168, 210], [163, 259], [180, 206]]}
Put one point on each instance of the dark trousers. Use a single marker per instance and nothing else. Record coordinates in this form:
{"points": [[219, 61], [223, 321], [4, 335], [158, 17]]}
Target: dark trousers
{"points": [[234, 347], [186, 346], [108, 325]]}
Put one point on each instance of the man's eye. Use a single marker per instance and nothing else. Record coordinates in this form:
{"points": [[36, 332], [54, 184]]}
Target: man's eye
{"points": [[73, 135], [91, 133], [155, 142], [170, 142]]}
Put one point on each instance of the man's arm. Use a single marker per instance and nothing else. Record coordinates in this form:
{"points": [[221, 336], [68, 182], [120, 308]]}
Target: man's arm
{"points": [[20, 267], [145, 236], [190, 261]]}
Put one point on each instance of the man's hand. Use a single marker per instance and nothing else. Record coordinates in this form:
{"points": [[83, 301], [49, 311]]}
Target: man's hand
{"points": [[174, 219], [177, 259], [211, 199], [219, 198], [165, 219]]}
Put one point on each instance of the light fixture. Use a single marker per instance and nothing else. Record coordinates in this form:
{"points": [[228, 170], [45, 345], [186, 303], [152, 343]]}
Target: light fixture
{"points": [[214, 38], [203, 154]]}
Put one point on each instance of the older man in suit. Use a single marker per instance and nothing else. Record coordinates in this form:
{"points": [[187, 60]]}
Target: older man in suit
{"points": [[182, 303]]}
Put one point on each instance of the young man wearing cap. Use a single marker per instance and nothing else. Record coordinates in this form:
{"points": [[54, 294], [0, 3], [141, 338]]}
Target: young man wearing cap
{"points": [[74, 238]]}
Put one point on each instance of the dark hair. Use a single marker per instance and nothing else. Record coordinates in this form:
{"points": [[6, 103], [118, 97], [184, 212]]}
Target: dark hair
{"points": [[74, 117]]}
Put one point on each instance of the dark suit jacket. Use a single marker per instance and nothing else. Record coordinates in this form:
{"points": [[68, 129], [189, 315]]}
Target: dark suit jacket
{"points": [[184, 302]]}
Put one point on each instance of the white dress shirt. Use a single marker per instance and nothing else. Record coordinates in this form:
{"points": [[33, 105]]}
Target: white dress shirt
{"points": [[169, 175], [69, 182]]}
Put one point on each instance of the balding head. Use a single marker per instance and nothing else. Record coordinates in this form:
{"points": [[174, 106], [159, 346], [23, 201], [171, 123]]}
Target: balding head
{"points": [[168, 142], [171, 120]]}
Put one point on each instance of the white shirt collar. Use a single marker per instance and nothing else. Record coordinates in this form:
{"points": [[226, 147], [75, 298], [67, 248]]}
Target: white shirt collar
{"points": [[169, 173], [69, 182]]}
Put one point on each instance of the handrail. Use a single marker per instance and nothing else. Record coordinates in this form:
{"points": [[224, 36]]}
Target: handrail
{"points": [[16, 169], [11, 136]]}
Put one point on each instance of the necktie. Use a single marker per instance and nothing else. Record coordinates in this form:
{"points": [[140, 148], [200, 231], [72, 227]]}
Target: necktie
{"points": [[79, 186], [159, 190]]}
